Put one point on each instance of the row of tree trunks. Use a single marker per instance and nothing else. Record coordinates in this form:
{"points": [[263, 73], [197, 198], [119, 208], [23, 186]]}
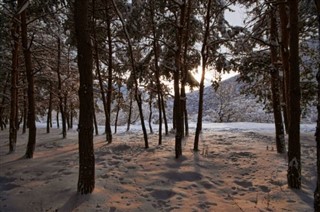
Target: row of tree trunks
{"points": [[275, 85]]}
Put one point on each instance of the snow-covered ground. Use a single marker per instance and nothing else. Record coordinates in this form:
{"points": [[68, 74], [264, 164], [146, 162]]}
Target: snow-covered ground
{"points": [[236, 169]]}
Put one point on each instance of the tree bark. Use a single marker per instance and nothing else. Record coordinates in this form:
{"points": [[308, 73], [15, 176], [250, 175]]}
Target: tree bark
{"points": [[275, 86], [86, 179], [294, 149], [30, 80], [14, 85]]}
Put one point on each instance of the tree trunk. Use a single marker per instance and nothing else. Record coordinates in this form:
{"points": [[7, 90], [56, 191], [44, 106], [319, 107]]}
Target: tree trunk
{"points": [[25, 109], [95, 122], [137, 93], [14, 88], [116, 119], [294, 152], [164, 114], [275, 87], [71, 116], [102, 91], [3, 101], [285, 60], [204, 55], [317, 134], [86, 179], [62, 109], [185, 70], [150, 115], [49, 114], [57, 118], [157, 70], [130, 112], [110, 78], [178, 114], [30, 80]]}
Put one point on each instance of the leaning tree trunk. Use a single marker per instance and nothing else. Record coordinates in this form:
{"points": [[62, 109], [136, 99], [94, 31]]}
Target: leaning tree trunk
{"points": [[102, 91], [317, 134], [204, 55], [294, 149], [14, 88], [30, 80], [275, 87], [86, 179], [137, 93]]}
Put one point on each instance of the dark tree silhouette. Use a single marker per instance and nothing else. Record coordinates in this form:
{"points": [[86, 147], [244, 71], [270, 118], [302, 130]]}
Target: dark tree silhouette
{"points": [[30, 80], [294, 149], [86, 153]]}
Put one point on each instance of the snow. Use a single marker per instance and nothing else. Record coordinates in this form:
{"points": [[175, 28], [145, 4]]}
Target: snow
{"points": [[236, 169]]}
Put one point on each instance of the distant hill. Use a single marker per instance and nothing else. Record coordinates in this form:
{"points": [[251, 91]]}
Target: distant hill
{"points": [[227, 104]]}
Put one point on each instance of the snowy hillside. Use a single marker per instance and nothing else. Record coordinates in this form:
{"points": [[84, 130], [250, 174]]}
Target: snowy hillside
{"points": [[227, 104]]}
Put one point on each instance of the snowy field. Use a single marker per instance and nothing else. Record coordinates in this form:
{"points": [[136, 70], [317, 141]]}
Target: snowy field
{"points": [[236, 169]]}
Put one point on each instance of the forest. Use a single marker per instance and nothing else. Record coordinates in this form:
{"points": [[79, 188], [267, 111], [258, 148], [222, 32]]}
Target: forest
{"points": [[95, 101]]}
